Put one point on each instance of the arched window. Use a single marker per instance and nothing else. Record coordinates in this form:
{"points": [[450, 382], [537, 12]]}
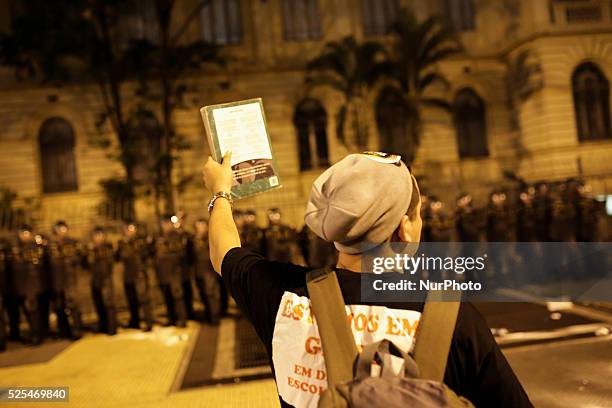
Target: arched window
{"points": [[310, 120], [591, 102], [56, 141], [377, 16], [301, 20], [222, 22], [143, 150], [461, 14], [469, 115], [392, 120]]}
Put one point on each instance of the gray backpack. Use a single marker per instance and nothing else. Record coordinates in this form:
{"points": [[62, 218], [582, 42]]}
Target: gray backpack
{"points": [[349, 373]]}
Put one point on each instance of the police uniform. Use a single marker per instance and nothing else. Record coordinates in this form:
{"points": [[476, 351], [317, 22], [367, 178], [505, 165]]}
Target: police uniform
{"points": [[586, 219], [469, 224], [251, 237], [187, 275], [280, 243], [207, 280], [28, 263], [500, 228], [65, 255], [317, 252], [3, 293], [499, 224], [542, 212], [526, 227], [100, 261], [170, 251], [441, 227], [132, 253], [562, 225]]}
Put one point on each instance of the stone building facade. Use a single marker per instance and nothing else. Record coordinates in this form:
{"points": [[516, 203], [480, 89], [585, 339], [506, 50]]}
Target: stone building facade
{"points": [[562, 130]]}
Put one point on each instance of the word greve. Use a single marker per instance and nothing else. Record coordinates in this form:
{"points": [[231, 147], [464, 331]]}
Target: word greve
{"points": [[412, 264]]}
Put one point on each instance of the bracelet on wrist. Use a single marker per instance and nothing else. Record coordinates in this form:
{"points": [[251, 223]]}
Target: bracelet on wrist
{"points": [[220, 194]]}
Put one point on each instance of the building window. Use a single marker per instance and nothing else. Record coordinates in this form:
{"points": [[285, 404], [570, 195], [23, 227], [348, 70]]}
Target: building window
{"points": [[222, 22], [393, 124], [469, 116], [461, 14], [301, 20], [377, 16], [144, 148], [56, 141], [310, 120], [591, 102]]}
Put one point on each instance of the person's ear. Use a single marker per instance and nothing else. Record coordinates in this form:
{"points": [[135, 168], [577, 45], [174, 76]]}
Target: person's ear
{"points": [[404, 230], [409, 229]]}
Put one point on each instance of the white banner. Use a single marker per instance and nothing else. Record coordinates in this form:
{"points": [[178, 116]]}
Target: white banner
{"points": [[296, 345]]}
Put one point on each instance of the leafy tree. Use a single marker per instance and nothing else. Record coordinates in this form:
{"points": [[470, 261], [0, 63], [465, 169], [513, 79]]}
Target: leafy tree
{"points": [[12, 212], [417, 48], [350, 68], [160, 66], [91, 41]]}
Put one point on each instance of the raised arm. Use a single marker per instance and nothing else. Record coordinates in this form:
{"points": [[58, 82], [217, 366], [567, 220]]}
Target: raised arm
{"points": [[222, 232]]}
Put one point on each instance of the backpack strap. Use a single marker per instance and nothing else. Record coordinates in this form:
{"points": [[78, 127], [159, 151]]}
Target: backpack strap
{"points": [[435, 333], [337, 340]]}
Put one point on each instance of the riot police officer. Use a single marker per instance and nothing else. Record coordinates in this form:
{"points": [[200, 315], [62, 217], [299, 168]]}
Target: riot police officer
{"points": [[280, 239], [526, 229], [28, 263], [441, 224], [586, 214], [206, 279], [178, 221], [500, 221], [317, 252], [65, 254], [531, 251], [562, 226], [100, 261], [469, 221], [500, 228], [170, 250], [251, 236], [132, 251], [542, 211], [3, 292], [469, 224]]}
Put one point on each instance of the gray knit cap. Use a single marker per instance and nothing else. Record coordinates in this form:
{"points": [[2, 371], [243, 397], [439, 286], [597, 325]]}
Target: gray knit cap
{"points": [[358, 202]]}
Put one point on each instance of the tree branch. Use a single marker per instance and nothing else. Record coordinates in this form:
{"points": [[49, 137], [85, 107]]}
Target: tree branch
{"points": [[194, 13]]}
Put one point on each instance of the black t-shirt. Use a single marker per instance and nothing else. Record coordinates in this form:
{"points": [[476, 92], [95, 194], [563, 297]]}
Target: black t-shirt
{"points": [[476, 367]]}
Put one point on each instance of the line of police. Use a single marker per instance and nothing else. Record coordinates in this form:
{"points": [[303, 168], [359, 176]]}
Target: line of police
{"points": [[39, 274], [544, 212]]}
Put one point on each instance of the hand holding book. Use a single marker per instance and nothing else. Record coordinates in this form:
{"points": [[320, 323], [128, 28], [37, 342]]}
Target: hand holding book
{"points": [[218, 176], [241, 127]]}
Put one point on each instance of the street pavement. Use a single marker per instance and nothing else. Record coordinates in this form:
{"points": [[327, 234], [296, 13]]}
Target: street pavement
{"points": [[572, 373], [132, 369]]}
